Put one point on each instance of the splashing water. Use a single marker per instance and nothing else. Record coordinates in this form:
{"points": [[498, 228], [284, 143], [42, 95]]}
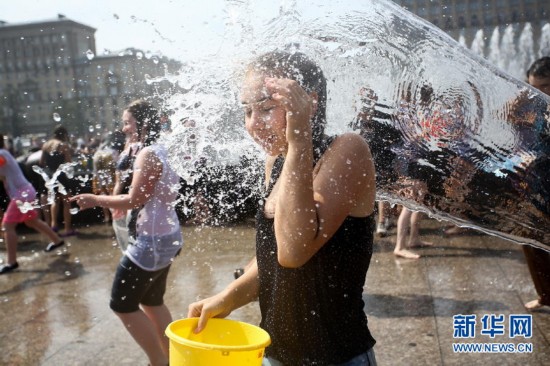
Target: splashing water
{"points": [[25, 207], [51, 183], [544, 49], [451, 134], [90, 55]]}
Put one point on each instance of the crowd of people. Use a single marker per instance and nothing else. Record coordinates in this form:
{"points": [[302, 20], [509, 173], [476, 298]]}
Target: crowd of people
{"points": [[315, 224]]}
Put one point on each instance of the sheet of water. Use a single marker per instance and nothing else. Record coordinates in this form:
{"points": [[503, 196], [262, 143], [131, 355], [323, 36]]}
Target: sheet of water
{"points": [[472, 151]]}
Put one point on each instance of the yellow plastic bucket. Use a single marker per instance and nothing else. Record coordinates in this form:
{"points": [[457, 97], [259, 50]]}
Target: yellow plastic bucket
{"points": [[222, 342]]}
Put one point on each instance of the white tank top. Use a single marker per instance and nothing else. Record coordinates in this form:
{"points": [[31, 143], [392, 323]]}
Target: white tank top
{"points": [[158, 228]]}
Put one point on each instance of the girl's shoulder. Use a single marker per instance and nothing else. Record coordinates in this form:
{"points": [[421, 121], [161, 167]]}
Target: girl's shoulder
{"points": [[156, 152], [348, 142]]}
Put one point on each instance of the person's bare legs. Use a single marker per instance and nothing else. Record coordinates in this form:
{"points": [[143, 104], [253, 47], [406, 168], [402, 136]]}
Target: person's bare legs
{"points": [[54, 211], [106, 215], [46, 208], [414, 236], [382, 211], [161, 318], [67, 217], [403, 224], [43, 228], [10, 238], [382, 227], [145, 333]]}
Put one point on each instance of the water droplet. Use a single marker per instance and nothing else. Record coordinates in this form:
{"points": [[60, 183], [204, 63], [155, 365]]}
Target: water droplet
{"points": [[139, 55], [74, 210], [155, 59], [90, 55], [67, 273], [348, 161], [98, 126], [91, 128], [77, 260], [56, 117]]}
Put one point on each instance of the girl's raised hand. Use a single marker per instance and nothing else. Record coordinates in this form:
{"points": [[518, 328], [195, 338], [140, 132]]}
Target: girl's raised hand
{"points": [[299, 105]]}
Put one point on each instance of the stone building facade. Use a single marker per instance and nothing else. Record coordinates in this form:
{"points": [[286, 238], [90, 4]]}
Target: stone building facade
{"points": [[51, 73], [453, 15]]}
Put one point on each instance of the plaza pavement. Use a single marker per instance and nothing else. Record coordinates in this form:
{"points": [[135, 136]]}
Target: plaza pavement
{"points": [[54, 308]]}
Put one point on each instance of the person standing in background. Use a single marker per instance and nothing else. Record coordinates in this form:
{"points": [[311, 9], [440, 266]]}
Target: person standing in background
{"points": [[20, 210], [154, 233], [538, 260], [56, 152], [104, 167]]}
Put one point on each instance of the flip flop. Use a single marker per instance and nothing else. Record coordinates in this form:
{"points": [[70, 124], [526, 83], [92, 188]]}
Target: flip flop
{"points": [[69, 233], [53, 246], [7, 268]]}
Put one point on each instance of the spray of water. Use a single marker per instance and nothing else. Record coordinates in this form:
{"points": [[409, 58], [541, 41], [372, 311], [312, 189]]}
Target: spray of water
{"points": [[464, 129], [52, 183]]}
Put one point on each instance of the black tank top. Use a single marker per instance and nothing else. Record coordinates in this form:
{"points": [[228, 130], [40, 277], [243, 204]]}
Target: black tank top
{"points": [[314, 314]]}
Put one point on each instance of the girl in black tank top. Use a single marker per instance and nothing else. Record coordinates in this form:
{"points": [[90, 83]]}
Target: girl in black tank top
{"points": [[337, 328], [314, 227]]}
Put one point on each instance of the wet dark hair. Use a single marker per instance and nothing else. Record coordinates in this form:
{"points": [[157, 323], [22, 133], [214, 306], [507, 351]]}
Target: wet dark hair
{"points": [[297, 66], [540, 68], [148, 122], [60, 133]]}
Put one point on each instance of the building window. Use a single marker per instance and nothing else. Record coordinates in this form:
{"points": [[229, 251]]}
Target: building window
{"points": [[475, 21]]}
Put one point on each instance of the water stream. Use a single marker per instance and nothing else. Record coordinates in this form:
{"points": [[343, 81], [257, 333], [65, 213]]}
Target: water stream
{"points": [[453, 134]]}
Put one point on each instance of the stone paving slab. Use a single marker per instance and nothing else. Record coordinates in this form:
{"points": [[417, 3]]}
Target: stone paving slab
{"points": [[55, 307]]}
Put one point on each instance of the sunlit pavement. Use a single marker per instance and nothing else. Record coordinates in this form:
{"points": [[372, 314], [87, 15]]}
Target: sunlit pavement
{"points": [[55, 306]]}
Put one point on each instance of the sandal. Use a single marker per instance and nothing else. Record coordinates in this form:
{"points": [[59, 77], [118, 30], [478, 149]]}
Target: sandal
{"points": [[53, 246], [69, 233], [6, 268]]}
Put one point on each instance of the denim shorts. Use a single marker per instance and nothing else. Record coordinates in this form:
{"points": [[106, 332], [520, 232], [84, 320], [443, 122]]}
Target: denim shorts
{"points": [[133, 286], [364, 359]]}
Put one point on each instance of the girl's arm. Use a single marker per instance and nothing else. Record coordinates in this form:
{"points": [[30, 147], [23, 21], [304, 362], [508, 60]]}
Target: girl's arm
{"points": [[310, 210], [147, 172], [239, 293]]}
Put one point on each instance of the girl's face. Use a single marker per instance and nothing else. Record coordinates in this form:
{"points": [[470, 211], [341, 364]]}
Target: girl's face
{"points": [[265, 119], [129, 125]]}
